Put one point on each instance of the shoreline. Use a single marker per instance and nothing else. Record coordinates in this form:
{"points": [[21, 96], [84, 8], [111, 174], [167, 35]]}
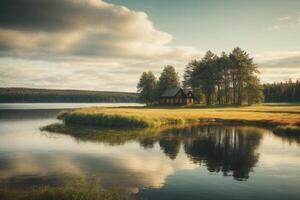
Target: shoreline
{"points": [[278, 117]]}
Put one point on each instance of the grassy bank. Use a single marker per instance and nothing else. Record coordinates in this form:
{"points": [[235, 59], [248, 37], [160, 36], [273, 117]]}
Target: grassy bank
{"points": [[76, 190], [266, 114]]}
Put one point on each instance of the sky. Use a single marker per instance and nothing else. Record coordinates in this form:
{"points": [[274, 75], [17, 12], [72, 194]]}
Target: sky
{"points": [[106, 45]]}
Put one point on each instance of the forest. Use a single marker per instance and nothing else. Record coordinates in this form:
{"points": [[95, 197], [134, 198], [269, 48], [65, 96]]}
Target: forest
{"points": [[29, 95], [228, 79], [282, 92]]}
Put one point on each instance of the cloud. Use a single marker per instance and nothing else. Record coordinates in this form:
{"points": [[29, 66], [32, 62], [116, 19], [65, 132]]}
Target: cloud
{"points": [[279, 66], [284, 18], [273, 28], [55, 43], [64, 29]]}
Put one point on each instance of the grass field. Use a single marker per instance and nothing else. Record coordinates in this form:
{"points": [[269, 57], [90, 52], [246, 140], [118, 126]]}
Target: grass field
{"points": [[79, 189], [264, 114]]}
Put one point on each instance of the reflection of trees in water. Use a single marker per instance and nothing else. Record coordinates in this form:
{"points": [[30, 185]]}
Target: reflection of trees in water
{"points": [[170, 147], [230, 150], [288, 138], [147, 143]]}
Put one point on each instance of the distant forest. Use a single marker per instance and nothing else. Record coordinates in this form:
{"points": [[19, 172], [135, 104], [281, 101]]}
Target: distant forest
{"points": [[29, 95], [282, 92]]}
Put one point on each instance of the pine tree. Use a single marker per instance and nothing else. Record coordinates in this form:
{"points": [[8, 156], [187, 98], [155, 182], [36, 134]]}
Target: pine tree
{"points": [[147, 88]]}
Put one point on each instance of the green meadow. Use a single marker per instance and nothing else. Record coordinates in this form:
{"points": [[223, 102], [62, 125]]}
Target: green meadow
{"points": [[278, 116]]}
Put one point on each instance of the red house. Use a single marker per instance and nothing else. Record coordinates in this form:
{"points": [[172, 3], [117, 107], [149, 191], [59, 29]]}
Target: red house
{"points": [[176, 96]]}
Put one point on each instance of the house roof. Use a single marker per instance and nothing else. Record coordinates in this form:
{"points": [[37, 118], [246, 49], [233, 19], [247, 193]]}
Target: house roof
{"points": [[170, 92]]}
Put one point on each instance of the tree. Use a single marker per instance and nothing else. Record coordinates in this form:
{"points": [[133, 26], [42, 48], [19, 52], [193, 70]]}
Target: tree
{"points": [[282, 92], [168, 79], [204, 76], [243, 68], [254, 90], [188, 82], [224, 76], [226, 79], [147, 88]]}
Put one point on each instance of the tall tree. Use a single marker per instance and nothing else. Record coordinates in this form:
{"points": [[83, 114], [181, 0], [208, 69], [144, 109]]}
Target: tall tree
{"points": [[188, 82], [224, 75], [147, 88], [225, 79], [243, 68], [204, 76], [168, 79], [254, 90]]}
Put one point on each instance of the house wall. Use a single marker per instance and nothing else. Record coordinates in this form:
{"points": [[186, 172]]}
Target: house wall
{"points": [[176, 101]]}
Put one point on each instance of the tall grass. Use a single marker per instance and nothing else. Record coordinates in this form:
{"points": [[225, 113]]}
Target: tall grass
{"points": [[153, 117], [105, 120], [77, 190]]}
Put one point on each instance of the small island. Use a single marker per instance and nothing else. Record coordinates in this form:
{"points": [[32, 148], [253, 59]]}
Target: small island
{"points": [[222, 89]]}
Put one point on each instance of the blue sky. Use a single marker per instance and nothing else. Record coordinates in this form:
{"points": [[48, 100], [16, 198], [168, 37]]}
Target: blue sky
{"points": [[106, 45], [222, 25]]}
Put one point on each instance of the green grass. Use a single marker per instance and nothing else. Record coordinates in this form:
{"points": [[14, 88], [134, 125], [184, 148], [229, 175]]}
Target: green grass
{"points": [[77, 190], [266, 114]]}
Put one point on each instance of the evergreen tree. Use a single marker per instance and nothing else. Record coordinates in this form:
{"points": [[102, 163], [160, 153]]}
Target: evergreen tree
{"points": [[243, 70], [282, 92], [168, 79], [147, 88], [204, 76], [188, 82], [225, 79]]}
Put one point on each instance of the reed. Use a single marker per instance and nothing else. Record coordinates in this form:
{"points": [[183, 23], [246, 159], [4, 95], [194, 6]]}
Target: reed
{"points": [[265, 115], [74, 190]]}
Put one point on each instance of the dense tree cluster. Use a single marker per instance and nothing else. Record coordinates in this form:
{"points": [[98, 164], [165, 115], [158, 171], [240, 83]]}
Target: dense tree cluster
{"points": [[225, 79], [149, 88], [30, 95], [282, 92]]}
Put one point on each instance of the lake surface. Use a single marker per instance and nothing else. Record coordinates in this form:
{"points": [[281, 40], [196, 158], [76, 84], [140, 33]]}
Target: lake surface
{"points": [[199, 162]]}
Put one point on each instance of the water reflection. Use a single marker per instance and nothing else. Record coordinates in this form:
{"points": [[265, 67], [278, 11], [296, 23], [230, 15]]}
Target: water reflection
{"points": [[177, 161], [230, 150], [227, 150], [289, 138]]}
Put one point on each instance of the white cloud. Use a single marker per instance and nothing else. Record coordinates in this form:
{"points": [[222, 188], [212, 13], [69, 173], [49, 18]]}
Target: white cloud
{"points": [[279, 66], [284, 18], [273, 28], [86, 28], [90, 44]]}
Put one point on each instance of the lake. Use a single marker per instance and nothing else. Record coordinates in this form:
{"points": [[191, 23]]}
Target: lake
{"points": [[196, 162]]}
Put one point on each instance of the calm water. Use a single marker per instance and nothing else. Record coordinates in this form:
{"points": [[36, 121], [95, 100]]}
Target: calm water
{"points": [[210, 162]]}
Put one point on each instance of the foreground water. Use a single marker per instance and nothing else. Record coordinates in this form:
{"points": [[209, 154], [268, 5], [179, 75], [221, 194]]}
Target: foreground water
{"points": [[207, 162]]}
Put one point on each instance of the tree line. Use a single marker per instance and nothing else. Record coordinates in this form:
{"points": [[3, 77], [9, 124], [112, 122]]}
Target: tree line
{"points": [[225, 79], [30, 95], [282, 92]]}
